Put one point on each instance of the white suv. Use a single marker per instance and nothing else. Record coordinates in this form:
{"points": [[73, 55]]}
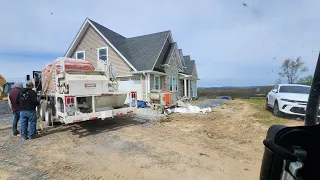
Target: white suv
{"points": [[288, 99]]}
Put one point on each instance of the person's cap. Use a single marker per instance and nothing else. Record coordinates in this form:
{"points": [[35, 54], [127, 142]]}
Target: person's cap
{"points": [[29, 83], [18, 84]]}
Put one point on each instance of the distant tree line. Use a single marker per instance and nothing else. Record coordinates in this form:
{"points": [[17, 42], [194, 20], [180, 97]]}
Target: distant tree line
{"points": [[245, 92], [290, 72]]}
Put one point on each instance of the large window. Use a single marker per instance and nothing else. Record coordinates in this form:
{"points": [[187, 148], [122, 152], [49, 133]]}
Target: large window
{"points": [[156, 82], [295, 89], [80, 55], [173, 84], [103, 53]]}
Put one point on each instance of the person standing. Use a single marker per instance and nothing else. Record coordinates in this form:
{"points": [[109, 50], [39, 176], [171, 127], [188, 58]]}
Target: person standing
{"points": [[14, 106], [28, 101]]}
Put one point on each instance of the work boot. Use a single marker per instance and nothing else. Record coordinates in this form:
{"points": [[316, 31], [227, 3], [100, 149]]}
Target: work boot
{"points": [[15, 133], [33, 137], [24, 138]]}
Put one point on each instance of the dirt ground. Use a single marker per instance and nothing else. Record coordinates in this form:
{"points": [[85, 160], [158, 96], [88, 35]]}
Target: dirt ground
{"points": [[225, 144]]}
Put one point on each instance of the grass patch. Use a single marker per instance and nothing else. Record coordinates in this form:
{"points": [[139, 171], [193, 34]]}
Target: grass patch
{"points": [[263, 116]]}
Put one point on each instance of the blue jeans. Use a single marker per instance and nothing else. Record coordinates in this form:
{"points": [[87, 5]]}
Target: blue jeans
{"points": [[28, 117], [16, 117]]}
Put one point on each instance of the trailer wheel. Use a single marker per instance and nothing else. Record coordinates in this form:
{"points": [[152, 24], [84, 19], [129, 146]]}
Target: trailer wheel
{"points": [[48, 117], [42, 111], [160, 110]]}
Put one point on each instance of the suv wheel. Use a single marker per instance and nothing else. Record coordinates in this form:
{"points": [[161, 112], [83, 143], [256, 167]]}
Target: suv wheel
{"points": [[276, 110], [267, 105]]}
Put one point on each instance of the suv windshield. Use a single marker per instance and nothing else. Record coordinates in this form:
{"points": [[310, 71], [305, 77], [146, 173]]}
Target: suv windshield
{"points": [[295, 89]]}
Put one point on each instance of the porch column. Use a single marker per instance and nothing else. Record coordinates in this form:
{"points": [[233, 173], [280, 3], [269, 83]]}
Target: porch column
{"points": [[148, 86], [185, 86], [189, 88], [196, 88]]}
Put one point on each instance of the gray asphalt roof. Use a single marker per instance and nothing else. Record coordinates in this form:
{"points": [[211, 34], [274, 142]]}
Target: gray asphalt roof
{"points": [[189, 64], [146, 49], [181, 56], [141, 51]]}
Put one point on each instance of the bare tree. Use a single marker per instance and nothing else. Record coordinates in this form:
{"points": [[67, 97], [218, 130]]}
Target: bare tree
{"points": [[292, 69]]}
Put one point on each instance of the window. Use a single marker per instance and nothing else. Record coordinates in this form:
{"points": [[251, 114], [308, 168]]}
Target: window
{"points": [[80, 55], [173, 84], [295, 89], [135, 79], [177, 82], [124, 79], [103, 53], [156, 82]]}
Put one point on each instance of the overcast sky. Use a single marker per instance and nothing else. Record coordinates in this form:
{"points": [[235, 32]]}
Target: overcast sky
{"points": [[234, 43]]}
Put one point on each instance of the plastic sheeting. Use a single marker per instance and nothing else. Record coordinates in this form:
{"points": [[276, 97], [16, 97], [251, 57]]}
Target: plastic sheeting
{"points": [[188, 109]]}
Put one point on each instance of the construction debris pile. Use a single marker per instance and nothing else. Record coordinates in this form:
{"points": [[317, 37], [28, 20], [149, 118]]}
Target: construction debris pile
{"points": [[184, 107]]}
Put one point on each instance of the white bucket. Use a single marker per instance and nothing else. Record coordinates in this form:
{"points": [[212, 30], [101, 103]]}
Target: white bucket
{"points": [[206, 110], [168, 111]]}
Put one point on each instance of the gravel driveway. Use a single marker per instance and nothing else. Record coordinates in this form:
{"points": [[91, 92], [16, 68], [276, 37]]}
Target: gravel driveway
{"points": [[139, 143], [211, 103], [5, 113]]}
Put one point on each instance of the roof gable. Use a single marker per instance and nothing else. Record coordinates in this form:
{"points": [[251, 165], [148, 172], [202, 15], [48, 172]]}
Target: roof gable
{"points": [[115, 39], [141, 52]]}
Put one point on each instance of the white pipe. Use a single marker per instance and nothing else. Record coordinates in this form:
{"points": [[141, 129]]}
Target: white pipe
{"points": [[93, 105]]}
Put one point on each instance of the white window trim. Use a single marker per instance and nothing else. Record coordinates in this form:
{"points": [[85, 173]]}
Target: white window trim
{"points": [[174, 84], [154, 82], [84, 54], [107, 51]]}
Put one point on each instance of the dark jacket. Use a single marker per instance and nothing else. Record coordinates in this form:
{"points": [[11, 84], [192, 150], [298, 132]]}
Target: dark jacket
{"points": [[27, 99], [13, 96]]}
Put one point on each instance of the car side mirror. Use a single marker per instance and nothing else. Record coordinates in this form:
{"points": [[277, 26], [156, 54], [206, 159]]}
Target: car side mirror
{"points": [[274, 90]]}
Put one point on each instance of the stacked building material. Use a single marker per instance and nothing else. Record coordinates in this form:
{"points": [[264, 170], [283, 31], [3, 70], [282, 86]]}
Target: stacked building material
{"points": [[51, 70]]}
